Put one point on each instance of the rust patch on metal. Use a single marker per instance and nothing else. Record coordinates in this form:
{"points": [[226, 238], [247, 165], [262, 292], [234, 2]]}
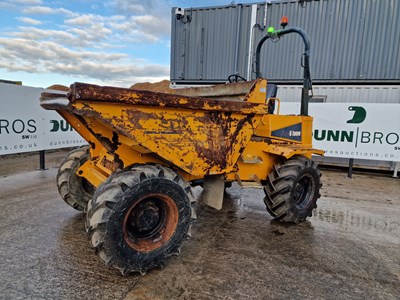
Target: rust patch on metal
{"points": [[111, 145], [50, 96], [136, 115], [110, 165], [221, 142]]}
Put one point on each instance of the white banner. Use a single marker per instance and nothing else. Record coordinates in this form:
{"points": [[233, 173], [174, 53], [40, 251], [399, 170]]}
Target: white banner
{"points": [[349, 130], [25, 126], [58, 133], [354, 130]]}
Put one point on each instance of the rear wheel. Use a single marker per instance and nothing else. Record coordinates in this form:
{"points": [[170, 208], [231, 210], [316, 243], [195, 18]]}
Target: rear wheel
{"points": [[292, 190], [139, 217], [75, 191]]}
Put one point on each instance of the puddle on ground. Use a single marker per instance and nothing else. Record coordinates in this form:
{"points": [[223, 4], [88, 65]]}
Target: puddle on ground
{"points": [[349, 220]]}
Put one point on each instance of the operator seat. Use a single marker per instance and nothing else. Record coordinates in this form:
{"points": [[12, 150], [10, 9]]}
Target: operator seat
{"points": [[272, 90]]}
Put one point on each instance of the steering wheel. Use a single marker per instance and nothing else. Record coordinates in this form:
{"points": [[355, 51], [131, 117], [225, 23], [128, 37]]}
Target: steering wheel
{"points": [[235, 78]]}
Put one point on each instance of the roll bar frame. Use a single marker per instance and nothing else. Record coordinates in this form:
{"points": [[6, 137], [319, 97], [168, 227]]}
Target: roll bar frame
{"points": [[307, 84]]}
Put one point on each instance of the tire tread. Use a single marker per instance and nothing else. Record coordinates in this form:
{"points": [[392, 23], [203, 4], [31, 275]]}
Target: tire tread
{"points": [[104, 199], [77, 201], [278, 188]]}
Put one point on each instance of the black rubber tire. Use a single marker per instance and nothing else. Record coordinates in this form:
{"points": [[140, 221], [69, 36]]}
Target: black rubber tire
{"points": [[118, 218], [292, 190], [74, 190]]}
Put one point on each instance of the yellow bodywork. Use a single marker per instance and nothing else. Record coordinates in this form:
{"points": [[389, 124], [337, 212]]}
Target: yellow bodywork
{"points": [[193, 135]]}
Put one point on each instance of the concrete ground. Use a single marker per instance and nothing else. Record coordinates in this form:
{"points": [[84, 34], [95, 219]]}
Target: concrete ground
{"points": [[349, 249]]}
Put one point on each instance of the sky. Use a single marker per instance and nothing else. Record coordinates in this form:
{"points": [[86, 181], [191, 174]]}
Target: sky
{"points": [[109, 42]]}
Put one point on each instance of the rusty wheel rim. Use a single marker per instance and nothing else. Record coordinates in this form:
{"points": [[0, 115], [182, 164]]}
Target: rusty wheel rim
{"points": [[150, 222], [304, 190]]}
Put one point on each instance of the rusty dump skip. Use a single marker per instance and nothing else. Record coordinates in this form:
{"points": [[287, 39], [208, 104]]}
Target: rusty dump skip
{"points": [[201, 136], [95, 93]]}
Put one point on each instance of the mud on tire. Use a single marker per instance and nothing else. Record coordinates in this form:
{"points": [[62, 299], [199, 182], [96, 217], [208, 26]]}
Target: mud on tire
{"points": [[292, 189], [74, 190], [139, 217]]}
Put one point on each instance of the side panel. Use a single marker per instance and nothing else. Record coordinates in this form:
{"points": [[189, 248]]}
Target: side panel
{"points": [[260, 156], [255, 164], [293, 129], [277, 137]]}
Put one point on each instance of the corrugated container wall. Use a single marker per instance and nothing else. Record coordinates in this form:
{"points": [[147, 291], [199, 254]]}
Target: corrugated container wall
{"points": [[355, 41]]}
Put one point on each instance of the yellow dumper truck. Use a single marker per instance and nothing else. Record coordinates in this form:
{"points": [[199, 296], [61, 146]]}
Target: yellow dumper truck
{"points": [[146, 151]]}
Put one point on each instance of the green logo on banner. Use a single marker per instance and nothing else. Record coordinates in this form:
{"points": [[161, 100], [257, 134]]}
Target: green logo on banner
{"points": [[359, 114]]}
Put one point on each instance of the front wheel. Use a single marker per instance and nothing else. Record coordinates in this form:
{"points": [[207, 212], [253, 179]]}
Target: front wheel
{"points": [[139, 217], [292, 190]]}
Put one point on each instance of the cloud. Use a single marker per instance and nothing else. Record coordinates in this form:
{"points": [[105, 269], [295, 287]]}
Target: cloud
{"points": [[34, 33], [59, 36], [92, 47], [107, 71], [91, 30], [119, 28], [46, 10], [25, 55], [140, 7], [27, 2], [83, 20], [27, 49], [38, 10], [6, 5], [151, 24], [151, 18], [29, 21], [14, 3], [93, 35], [145, 28]]}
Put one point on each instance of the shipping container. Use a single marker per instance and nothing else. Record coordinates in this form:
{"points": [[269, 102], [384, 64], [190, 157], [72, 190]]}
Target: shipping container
{"points": [[355, 50], [352, 41]]}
